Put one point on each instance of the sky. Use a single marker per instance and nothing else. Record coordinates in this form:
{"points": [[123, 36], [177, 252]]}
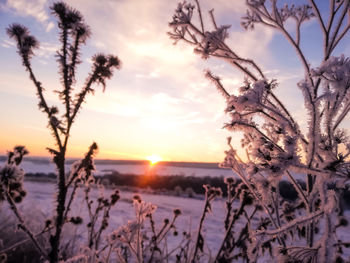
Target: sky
{"points": [[159, 103]]}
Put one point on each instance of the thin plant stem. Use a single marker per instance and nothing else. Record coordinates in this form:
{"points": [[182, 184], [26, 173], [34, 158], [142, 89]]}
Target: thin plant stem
{"points": [[22, 224]]}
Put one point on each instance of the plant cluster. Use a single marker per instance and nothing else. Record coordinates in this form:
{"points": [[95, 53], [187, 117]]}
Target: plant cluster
{"points": [[73, 33], [260, 222], [276, 147], [140, 240]]}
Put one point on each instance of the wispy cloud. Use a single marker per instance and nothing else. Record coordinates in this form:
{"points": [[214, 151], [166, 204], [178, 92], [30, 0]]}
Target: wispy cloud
{"points": [[7, 43], [148, 53], [148, 75], [47, 49], [33, 8]]}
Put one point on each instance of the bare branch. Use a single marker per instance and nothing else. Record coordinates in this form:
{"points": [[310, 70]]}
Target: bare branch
{"points": [[211, 13], [200, 15], [319, 17], [333, 42]]}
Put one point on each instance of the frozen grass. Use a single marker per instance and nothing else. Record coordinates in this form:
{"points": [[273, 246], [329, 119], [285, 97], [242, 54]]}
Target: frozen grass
{"points": [[41, 197], [38, 202]]}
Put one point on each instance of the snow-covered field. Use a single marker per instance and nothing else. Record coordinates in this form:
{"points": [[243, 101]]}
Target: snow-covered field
{"points": [[40, 200], [42, 195]]}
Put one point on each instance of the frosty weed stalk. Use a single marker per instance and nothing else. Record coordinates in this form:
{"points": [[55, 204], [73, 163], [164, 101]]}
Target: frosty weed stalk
{"points": [[275, 145], [73, 33], [11, 189]]}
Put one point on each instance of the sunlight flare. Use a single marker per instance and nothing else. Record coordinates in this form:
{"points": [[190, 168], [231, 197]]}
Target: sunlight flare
{"points": [[153, 159]]}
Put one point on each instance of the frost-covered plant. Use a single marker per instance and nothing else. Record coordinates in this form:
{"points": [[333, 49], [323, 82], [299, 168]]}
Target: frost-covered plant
{"points": [[276, 147], [11, 189], [18, 247], [73, 33], [11, 176], [103, 205], [210, 194], [140, 240]]}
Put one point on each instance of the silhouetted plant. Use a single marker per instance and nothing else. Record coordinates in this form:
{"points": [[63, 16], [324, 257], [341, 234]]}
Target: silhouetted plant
{"points": [[210, 194], [73, 34]]}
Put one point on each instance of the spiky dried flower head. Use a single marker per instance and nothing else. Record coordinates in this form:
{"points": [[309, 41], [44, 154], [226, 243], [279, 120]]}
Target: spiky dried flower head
{"points": [[183, 14], [17, 30], [137, 198], [177, 211], [100, 59], [76, 220], [93, 148], [229, 180], [212, 41], [114, 61], [103, 66], [81, 171], [59, 8], [26, 43], [83, 30], [16, 156], [115, 197], [68, 16], [71, 20], [212, 192]]}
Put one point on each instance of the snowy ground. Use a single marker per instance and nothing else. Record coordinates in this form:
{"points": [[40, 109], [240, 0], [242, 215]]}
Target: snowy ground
{"points": [[41, 198]]}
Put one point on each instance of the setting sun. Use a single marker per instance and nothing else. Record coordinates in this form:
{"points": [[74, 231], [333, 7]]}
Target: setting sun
{"points": [[153, 159]]}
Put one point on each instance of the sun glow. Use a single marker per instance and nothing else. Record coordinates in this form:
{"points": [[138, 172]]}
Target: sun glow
{"points": [[153, 159]]}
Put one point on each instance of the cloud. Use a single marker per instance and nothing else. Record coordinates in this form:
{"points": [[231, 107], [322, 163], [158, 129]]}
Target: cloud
{"points": [[160, 94], [125, 103], [169, 123], [145, 39], [149, 57], [47, 49], [281, 76], [151, 63], [33, 8], [149, 75], [7, 43]]}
